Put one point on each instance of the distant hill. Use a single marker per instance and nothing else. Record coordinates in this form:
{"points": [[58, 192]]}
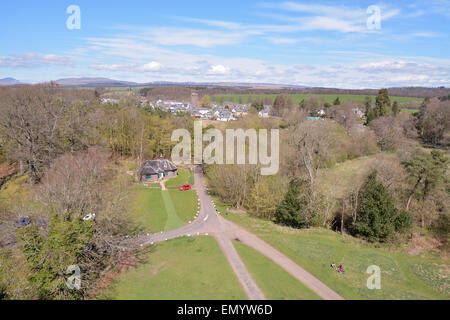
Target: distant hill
{"points": [[93, 82], [215, 88], [105, 82], [8, 81]]}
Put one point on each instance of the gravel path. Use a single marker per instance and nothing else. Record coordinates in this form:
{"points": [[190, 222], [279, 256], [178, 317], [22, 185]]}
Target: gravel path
{"points": [[224, 231]]}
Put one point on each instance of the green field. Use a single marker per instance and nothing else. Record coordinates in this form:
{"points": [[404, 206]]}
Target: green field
{"points": [[147, 208], [185, 176], [274, 281], [155, 210], [299, 97], [403, 276], [180, 269]]}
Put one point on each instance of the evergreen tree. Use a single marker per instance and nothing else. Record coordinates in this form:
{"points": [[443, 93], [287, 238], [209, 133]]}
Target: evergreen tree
{"points": [[289, 211], [382, 103], [395, 108], [302, 104], [279, 103], [377, 217], [48, 259], [426, 171], [369, 113]]}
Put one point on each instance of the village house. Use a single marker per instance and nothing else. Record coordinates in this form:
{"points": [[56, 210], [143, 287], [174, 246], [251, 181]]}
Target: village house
{"points": [[202, 113], [265, 113], [225, 116], [109, 100], [155, 170], [240, 110], [358, 112]]}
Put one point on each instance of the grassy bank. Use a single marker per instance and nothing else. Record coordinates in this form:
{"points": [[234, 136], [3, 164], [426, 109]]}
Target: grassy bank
{"points": [[183, 268], [274, 281], [403, 276]]}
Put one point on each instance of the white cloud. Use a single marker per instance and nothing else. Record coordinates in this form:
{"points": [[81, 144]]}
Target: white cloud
{"points": [[279, 40], [332, 24], [111, 67], [425, 34], [152, 66], [33, 60], [218, 70], [148, 67], [168, 36], [361, 69]]}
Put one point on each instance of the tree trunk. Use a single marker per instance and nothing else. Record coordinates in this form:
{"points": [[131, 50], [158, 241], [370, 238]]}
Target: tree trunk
{"points": [[412, 193], [21, 169]]}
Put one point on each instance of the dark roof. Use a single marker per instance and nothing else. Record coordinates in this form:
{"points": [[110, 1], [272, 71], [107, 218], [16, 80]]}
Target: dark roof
{"points": [[157, 166]]}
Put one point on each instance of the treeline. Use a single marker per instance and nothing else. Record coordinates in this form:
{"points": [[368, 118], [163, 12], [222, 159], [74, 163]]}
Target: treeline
{"points": [[67, 144], [184, 92], [40, 123], [406, 190]]}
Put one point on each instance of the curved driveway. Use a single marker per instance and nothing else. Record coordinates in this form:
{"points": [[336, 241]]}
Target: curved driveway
{"points": [[224, 231]]}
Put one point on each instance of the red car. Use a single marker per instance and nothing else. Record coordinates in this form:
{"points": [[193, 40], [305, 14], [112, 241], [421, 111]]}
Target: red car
{"points": [[185, 187]]}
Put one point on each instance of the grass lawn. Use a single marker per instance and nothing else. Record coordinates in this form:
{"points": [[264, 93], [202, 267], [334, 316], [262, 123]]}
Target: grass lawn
{"points": [[403, 276], [155, 210], [185, 204], [274, 281], [185, 176], [299, 97], [173, 221], [180, 269], [148, 209]]}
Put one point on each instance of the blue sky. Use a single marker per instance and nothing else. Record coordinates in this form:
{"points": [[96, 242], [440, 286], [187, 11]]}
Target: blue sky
{"points": [[314, 43]]}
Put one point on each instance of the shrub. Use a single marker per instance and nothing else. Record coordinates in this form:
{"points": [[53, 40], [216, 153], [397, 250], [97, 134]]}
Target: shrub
{"points": [[48, 259]]}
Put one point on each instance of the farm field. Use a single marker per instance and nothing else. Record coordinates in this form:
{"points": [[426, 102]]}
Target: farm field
{"points": [[274, 281], [297, 98], [403, 276], [183, 268]]}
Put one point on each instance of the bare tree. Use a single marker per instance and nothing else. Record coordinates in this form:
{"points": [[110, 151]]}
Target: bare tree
{"points": [[39, 122], [313, 142]]}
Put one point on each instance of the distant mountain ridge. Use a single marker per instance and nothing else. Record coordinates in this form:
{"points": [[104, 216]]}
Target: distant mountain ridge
{"points": [[8, 81], [99, 82], [239, 87], [94, 82]]}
